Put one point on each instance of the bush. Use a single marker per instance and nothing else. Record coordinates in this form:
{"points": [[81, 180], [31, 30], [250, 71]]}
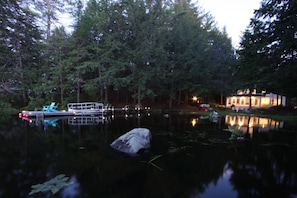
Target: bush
{"points": [[36, 103], [5, 108]]}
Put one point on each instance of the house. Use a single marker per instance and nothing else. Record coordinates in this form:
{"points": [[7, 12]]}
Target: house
{"points": [[242, 99]]}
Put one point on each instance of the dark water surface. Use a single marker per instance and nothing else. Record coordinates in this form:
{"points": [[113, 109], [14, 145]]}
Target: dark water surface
{"points": [[190, 156]]}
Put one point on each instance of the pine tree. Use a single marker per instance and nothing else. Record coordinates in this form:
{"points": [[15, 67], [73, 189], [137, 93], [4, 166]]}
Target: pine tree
{"points": [[21, 43], [268, 48]]}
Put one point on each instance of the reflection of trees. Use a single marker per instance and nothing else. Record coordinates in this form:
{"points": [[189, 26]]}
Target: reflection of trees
{"points": [[265, 172], [190, 162], [189, 167], [9, 128], [84, 152], [30, 156]]}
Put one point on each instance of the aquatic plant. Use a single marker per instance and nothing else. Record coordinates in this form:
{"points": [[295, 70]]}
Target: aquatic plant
{"points": [[150, 162], [54, 185], [235, 132]]}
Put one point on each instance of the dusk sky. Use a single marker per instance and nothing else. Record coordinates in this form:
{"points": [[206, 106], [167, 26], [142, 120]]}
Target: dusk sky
{"points": [[233, 14]]}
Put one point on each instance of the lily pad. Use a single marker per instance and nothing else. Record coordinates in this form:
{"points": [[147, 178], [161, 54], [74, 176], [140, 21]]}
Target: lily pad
{"points": [[54, 185]]}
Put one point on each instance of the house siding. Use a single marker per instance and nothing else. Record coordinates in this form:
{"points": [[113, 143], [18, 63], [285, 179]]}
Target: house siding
{"points": [[257, 100]]}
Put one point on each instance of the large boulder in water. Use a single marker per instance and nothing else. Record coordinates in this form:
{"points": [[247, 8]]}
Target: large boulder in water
{"points": [[133, 142]]}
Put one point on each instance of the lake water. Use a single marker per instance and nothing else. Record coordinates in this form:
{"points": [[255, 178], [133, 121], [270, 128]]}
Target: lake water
{"points": [[190, 156]]}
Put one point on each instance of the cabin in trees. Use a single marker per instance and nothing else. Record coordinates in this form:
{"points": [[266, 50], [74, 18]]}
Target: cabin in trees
{"points": [[242, 99]]}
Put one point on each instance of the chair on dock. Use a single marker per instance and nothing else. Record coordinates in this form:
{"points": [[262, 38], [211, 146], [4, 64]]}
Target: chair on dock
{"points": [[51, 108]]}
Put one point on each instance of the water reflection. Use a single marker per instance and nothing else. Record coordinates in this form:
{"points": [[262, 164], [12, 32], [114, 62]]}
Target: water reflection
{"points": [[88, 120], [72, 190], [72, 120], [193, 165], [220, 187], [198, 120], [250, 124]]}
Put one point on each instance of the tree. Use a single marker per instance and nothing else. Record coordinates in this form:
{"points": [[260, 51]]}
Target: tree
{"points": [[193, 41], [21, 41], [98, 34], [50, 10], [140, 49], [220, 58], [144, 48], [268, 49], [58, 47]]}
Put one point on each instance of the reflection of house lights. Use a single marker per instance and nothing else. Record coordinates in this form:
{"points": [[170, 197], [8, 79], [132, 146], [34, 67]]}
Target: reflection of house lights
{"points": [[264, 121], [232, 122], [240, 123], [251, 124], [265, 124], [194, 121]]}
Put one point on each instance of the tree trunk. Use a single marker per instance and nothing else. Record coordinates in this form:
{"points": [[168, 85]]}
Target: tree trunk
{"points": [[78, 91], [106, 93], [49, 19], [222, 98], [187, 97], [171, 95], [61, 80], [100, 87], [138, 94], [61, 89], [179, 98]]}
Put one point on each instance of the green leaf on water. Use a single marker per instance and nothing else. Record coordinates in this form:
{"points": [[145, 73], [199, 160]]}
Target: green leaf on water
{"points": [[54, 185]]}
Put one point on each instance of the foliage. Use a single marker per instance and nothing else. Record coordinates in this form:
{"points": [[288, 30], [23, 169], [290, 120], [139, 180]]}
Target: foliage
{"points": [[36, 103], [121, 51], [49, 12], [20, 49], [54, 185], [235, 132], [267, 55], [151, 162], [54, 79], [6, 108]]}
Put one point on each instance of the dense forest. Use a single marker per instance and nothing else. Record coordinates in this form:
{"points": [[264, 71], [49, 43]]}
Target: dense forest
{"points": [[140, 51]]}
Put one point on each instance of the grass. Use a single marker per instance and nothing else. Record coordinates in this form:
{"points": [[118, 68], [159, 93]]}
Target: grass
{"points": [[276, 113]]}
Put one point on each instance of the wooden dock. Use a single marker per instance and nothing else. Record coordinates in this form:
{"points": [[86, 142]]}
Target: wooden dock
{"points": [[74, 109], [42, 114]]}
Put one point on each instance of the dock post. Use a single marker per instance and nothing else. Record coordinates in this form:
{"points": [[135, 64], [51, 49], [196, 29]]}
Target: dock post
{"points": [[39, 116]]}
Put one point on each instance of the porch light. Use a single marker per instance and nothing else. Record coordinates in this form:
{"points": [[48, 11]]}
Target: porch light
{"points": [[195, 98]]}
